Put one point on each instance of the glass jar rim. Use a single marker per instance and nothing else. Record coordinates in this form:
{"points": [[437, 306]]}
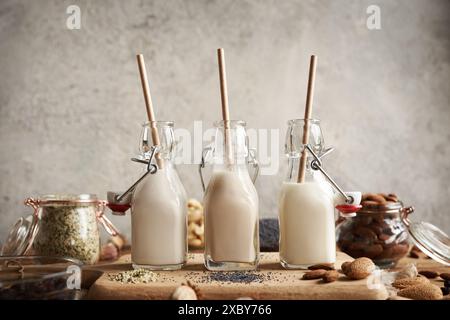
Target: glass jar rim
{"points": [[159, 123], [394, 207], [66, 199], [302, 120], [233, 123]]}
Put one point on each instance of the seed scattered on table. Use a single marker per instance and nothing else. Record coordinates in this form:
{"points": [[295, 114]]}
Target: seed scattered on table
{"points": [[134, 276], [235, 277]]}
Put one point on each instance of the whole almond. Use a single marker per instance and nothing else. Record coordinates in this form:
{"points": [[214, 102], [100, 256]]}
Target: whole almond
{"points": [[373, 250], [360, 268], [324, 266], [409, 282], [445, 276], [369, 203], [430, 274], [330, 276], [345, 266], [314, 274], [377, 198], [414, 254], [426, 291], [365, 233]]}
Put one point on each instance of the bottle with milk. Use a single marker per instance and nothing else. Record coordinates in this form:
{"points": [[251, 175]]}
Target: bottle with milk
{"points": [[158, 210], [231, 203], [306, 210]]}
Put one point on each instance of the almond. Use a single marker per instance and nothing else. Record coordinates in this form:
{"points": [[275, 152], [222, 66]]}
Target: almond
{"points": [[373, 250], [314, 274], [109, 252], [445, 276], [379, 199], [429, 274], [410, 282], [360, 268], [330, 276], [426, 291], [324, 266], [369, 203], [414, 254], [345, 266], [365, 233], [392, 195]]}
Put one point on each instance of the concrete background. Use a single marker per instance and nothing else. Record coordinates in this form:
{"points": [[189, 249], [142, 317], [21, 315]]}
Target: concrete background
{"points": [[71, 103]]}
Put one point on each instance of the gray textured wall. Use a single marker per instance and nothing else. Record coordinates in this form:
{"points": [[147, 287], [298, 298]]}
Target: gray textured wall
{"points": [[71, 103]]}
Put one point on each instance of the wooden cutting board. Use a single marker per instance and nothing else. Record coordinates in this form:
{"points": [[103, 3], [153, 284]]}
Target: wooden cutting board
{"points": [[278, 283]]}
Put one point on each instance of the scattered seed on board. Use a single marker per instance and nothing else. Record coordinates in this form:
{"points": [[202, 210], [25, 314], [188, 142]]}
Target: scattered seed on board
{"points": [[134, 276]]}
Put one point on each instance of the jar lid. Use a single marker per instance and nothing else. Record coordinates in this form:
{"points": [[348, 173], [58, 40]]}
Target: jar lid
{"points": [[21, 236], [431, 240]]}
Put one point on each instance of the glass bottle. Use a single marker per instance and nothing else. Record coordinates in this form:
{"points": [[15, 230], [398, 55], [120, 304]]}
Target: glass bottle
{"points": [[159, 209], [306, 210], [231, 203]]}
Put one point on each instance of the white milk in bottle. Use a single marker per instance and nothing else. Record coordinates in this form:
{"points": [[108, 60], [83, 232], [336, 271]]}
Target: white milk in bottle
{"points": [[306, 210], [307, 231], [231, 208], [159, 218]]}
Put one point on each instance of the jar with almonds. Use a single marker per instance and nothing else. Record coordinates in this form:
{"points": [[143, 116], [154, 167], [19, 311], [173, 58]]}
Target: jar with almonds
{"points": [[377, 231]]}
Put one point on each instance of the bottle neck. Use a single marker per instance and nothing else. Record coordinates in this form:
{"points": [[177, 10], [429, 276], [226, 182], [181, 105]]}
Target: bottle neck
{"points": [[230, 146], [310, 174]]}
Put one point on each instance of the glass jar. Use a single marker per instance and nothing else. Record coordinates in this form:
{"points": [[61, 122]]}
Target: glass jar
{"points": [[42, 278], [159, 208], [61, 226], [306, 209], [376, 232], [231, 203]]}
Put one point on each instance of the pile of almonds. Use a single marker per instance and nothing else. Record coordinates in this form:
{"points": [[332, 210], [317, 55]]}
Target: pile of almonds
{"points": [[357, 269], [375, 199], [196, 227], [379, 236], [419, 287], [324, 271]]}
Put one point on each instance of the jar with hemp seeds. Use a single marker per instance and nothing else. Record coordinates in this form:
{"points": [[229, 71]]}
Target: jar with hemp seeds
{"points": [[66, 226]]}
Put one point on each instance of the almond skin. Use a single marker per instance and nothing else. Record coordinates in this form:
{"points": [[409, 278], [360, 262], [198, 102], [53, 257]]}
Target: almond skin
{"points": [[409, 282], [314, 274], [360, 268], [422, 292], [330, 276]]}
